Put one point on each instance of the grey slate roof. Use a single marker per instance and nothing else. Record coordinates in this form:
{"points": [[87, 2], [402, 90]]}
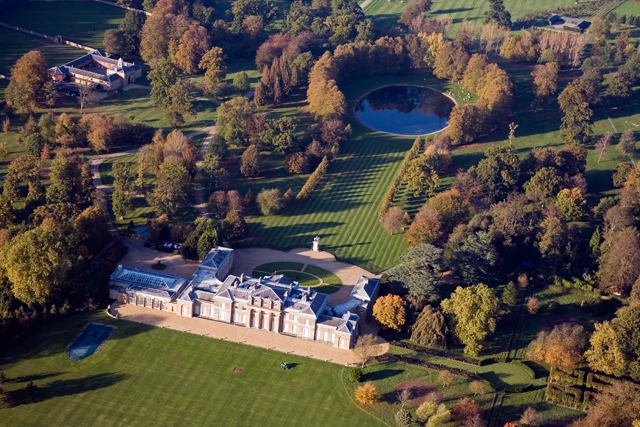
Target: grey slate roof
{"points": [[93, 56], [365, 288], [216, 257], [148, 282]]}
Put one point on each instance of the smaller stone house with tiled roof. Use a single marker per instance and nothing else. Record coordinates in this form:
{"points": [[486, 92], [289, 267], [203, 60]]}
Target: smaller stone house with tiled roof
{"points": [[273, 303], [97, 71]]}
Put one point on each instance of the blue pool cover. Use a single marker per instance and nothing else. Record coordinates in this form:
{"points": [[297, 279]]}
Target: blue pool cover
{"points": [[89, 340]]}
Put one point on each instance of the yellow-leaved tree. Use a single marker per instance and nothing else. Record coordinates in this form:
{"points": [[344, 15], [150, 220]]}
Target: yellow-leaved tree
{"points": [[389, 310], [366, 394]]}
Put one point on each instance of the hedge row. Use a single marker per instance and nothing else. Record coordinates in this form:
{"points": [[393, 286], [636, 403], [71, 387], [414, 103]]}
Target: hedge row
{"points": [[429, 365], [588, 401], [589, 382], [517, 389], [567, 396], [563, 378], [395, 185], [313, 180], [443, 354]]}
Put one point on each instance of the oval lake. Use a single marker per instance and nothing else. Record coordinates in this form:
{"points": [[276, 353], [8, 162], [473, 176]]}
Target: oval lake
{"points": [[405, 110]]}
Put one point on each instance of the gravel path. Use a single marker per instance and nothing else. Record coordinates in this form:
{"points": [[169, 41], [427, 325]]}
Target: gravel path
{"points": [[239, 334]]}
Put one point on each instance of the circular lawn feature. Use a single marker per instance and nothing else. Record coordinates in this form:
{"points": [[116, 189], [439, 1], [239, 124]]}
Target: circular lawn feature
{"points": [[420, 392], [300, 277], [306, 275]]}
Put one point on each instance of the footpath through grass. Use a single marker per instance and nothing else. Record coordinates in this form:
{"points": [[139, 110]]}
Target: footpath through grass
{"points": [[146, 376]]}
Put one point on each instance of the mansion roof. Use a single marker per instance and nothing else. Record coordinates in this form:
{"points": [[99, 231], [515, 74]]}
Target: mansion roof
{"points": [[273, 289], [143, 281], [95, 65], [215, 258]]}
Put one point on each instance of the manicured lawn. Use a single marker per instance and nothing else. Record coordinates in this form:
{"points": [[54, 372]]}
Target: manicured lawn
{"points": [[511, 406], [15, 44], [386, 376], [303, 279], [628, 8], [385, 13], [83, 21], [152, 376], [275, 266], [330, 282], [326, 276], [137, 104], [342, 210]]}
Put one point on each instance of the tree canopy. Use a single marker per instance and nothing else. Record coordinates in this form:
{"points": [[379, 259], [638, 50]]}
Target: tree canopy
{"points": [[472, 312]]}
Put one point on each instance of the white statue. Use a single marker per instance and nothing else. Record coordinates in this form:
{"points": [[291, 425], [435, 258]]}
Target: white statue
{"points": [[316, 244]]}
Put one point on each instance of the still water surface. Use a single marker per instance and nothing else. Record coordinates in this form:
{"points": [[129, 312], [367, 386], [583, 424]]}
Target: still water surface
{"points": [[405, 110]]}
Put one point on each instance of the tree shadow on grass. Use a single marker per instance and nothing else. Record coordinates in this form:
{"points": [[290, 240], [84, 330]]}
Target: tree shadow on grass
{"points": [[451, 10], [292, 236], [62, 388], [55, 338], [34, 377], [381, 375]]}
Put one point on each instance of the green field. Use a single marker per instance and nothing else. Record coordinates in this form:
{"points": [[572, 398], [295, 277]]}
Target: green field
{"points": [[15, 44], [84, 21], [628, 8], [385, 14], [342, 210], [146, 376], [137, 104], [541, 129]]}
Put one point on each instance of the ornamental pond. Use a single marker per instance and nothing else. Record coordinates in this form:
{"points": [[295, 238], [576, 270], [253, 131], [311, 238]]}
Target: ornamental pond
{"points": [[405, 110]]}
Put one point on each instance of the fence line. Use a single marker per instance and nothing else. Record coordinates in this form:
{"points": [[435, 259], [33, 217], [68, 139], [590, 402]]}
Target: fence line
{"points": [[123, 7], [53, 39]]}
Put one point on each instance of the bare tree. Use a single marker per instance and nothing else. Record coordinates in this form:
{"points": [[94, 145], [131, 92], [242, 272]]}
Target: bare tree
{"points": [[87, 97], [403, 395], [365, 348], [530, 417], [602, 145]]}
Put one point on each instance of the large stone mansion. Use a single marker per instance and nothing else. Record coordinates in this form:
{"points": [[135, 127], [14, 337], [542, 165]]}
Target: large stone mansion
{"points": [[273, 303]]}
